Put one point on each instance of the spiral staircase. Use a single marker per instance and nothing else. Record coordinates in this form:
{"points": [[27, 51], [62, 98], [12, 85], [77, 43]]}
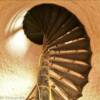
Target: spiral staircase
{"points": [[66, 57]]}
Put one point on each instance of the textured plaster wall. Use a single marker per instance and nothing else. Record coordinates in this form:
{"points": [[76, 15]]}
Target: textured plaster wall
{"points": [[88, 11]]}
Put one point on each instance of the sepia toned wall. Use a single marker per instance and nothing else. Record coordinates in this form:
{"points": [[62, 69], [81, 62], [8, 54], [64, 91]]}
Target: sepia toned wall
{"points": [[21, 72]]}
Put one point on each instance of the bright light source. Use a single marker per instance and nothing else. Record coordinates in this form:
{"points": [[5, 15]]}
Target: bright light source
{"points": [[17, 44]]}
